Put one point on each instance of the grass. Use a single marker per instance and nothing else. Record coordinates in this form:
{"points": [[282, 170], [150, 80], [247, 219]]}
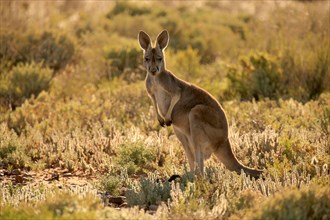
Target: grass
{"points": [[80, 126]]}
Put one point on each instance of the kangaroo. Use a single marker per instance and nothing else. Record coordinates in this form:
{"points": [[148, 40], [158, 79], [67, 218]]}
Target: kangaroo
{"points": [[198, 119]]}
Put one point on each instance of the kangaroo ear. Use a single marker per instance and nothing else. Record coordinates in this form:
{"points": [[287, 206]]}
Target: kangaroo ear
{"points": [[162, 39], [144, 40]]}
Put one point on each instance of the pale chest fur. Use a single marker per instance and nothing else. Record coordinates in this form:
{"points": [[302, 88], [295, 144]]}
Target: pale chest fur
{"points": [[163, 99]]}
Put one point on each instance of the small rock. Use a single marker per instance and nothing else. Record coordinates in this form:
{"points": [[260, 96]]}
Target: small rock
{"points": [[123, 191], [118, 200], [67, 174], [27, 175], [153, 207], [161, 161], [19, 179], [124, 205], [16, 172], [55, 176], [173, 177]]}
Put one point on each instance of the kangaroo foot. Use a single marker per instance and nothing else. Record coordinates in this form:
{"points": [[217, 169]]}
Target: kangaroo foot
{"points": [[173, 177]]}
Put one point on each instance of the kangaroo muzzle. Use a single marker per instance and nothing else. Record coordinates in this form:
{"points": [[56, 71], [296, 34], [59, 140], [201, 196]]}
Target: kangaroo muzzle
{"points": [[154, 70]]}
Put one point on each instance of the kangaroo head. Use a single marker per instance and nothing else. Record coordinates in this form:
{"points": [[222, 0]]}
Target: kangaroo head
{"points": [[154, 58]]}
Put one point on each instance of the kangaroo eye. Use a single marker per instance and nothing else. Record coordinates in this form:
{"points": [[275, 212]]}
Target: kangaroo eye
{"points": [[146, 59], [159, 59]]}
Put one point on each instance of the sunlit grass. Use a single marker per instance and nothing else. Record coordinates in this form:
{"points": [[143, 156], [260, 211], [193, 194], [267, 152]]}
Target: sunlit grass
{"points": [[77, 126]]}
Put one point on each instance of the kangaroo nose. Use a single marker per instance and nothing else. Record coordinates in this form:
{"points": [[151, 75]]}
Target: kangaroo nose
{"points": [[153, 70]]}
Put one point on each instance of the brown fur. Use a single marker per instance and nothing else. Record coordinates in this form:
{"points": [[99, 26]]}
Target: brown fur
{"points": [[198, 119]]}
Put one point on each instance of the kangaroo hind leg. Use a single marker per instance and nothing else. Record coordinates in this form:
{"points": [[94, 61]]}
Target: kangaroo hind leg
{"points": [[205, 132], [187, 148]]}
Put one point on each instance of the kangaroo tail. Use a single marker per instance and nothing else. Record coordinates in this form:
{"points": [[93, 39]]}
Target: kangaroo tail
{"points": [[226, 156]]}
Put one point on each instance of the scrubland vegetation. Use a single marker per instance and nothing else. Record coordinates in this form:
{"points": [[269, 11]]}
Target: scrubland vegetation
{"points": [[77, 128]]}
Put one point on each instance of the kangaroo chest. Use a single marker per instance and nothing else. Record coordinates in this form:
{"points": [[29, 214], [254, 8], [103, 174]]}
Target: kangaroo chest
{"points": [[163, 99]]}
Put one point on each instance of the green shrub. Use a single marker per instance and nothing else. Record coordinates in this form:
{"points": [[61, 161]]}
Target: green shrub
{"points": [[185, 63], [124, 58], [62, 206], [130, 9], [53, 51], [309, 203], [325, 122], [258, 76], [127, 99], [307, 75], [65, 204], [150, 191], [202, 197], [13, 156], [135, 157], [23, 81], [12, 151], [110, 184]]}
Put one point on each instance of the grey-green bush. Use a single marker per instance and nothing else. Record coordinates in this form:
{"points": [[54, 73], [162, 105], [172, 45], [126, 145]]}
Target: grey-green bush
{"points": [[23, 81]]}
